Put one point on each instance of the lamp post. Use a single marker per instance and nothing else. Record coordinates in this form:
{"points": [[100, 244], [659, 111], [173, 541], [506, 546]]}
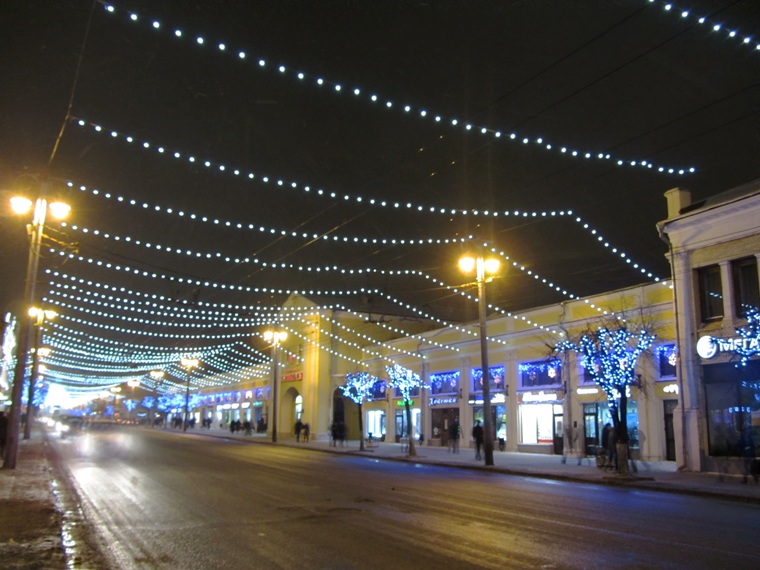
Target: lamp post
{"points": [[188, 364], [275, 337], [39, 316], [158, 378], [21, 206], [482, 267]]}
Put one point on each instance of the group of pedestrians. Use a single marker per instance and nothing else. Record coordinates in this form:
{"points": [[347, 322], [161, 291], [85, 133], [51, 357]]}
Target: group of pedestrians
{"points": [[455, 434], [302, 430], [337, 433]]}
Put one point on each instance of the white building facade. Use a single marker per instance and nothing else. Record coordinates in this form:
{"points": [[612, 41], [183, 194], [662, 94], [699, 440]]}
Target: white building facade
{"points": [[714, 248]]}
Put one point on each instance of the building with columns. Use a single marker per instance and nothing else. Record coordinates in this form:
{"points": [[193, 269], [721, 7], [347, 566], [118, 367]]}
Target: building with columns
{"points": [[714, 247]]}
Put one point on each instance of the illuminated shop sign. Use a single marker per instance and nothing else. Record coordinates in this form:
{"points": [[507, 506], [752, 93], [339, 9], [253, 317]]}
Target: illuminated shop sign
{"points": [[495, 398], [666, 389], [587, 391], [400, 403], [709, 346], [440, 401], [537, 397], [294, 377]]}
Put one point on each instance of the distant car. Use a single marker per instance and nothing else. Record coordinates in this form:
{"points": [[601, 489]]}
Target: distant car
{"points": [[69, 426]]}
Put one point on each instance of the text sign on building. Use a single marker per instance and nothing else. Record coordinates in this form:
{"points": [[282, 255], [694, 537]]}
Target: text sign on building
{"points": [[293, 377], [440, 401], [709, 346]]}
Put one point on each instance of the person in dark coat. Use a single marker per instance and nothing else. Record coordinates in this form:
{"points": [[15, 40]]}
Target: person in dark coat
{"points": [[298, 428], [478, 436], [454, 433], [748, 456]]}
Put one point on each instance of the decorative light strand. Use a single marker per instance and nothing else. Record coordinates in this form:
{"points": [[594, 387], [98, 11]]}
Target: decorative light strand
{"points": [[712, 26], [373, 241], [409, 110]]}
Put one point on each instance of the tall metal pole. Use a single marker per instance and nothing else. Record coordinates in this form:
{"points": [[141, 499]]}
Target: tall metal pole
{"points": [[187, 400], [275, 387], [487, 423], [35, 373], [24, 337]]}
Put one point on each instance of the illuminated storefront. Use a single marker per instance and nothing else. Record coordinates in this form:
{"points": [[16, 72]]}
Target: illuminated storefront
{"points": [[444, 404], [497, 386], [539, 404]]}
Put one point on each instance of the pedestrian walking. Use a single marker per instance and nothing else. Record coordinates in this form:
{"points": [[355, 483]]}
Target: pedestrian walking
{"points": [[477, 435], [454, 432], [298, 428]]}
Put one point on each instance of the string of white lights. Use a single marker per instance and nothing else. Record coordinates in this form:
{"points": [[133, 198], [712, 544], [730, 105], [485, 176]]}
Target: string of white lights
{"points": [[712, 26], [407, 109], [198, 283], [515, 264], [297, 334], [353, 240]]}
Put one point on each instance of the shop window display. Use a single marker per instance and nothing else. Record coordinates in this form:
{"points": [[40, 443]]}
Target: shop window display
{"points": [[541, 374]]}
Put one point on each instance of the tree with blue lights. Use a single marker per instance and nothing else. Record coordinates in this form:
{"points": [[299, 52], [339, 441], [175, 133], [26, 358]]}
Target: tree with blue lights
{"points": [[751, 336], [358, 387], [610, 357], [406, 382]]}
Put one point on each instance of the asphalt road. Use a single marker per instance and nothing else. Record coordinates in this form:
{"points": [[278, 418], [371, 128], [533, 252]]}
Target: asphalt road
{"points": [[169, 500]]}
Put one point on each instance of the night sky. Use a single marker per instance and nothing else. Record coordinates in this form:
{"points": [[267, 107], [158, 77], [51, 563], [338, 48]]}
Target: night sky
{"points": [[524, 108]]}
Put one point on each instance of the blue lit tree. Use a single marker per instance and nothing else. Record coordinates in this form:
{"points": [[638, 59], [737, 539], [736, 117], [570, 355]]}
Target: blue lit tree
{"points": [[406, 382], [358, 387], [751, 336], [610, 357]]}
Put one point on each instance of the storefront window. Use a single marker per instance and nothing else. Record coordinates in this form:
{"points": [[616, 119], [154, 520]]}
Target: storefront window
{"points": [[376, 424], [595, 416], [401, 425], [498, 419], [536, 423], [732, 398]]}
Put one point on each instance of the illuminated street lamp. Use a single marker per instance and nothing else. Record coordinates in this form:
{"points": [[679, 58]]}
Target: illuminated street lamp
{"points": [[275, 337], [39, 316], [188, 364], [41, 207], [158, 377], [483, 267]]}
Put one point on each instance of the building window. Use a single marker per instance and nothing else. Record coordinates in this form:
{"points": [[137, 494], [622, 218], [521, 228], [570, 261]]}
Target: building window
{"points": [[710, 293], [746, 289], [444, 383], [495, 379], [667, 359], [540, 374]]}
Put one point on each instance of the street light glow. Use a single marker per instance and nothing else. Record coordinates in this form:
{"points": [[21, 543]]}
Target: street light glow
{"points": [[21, 205]]}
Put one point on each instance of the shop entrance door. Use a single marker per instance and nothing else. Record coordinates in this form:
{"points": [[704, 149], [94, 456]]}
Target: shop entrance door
{"points": [[670, 436], [591, 428], [559, 440]]}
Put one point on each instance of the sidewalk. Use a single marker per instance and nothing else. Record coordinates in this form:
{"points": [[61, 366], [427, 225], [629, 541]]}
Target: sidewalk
{"points": [[30, 517], [651, 475]]}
